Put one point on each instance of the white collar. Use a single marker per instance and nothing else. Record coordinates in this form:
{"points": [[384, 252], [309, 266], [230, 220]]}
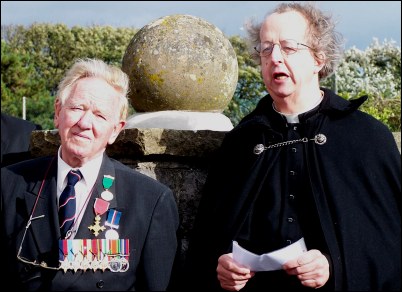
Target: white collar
{"points": [[294, 118], [89, 171]]}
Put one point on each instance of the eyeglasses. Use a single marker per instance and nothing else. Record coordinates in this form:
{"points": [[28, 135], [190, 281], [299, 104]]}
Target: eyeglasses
{"points": [[288, 47], [35, 262]]}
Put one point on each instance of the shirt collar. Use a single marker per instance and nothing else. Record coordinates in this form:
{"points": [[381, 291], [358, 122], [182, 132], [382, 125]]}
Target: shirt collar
{"points": [[89, 171]]}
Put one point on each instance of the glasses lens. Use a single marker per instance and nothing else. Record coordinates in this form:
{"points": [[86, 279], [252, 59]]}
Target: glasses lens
{"points": [[264, 48], [289, 46]]}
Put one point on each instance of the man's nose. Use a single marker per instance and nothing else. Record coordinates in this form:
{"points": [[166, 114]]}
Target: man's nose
{"points": [[276, 54], [86, 120]]}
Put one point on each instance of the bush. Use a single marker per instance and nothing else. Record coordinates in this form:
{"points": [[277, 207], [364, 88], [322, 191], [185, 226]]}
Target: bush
{"points": [[375, 72]]}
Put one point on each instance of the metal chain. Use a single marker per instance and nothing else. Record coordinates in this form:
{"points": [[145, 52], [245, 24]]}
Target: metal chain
{"points": [[280, 144], [319, 139]]}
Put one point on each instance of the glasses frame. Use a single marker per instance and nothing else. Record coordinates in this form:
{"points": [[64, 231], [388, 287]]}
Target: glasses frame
{"points": [[264, 53], [42, 264]]}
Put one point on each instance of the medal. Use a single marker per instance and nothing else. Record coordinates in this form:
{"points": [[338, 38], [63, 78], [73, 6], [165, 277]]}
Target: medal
{"points": [[124, 265], [113, 219], [107, 196], [111, 234], [77, 262], [107, 183], [85, 264], [100, 207], [94, 265], [65, 265], [96, 227], [104, 264], [115, 265]]}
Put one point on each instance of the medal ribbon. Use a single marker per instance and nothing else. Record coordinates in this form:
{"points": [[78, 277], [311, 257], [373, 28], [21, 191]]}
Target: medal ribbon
{"points": [[107, 181], [113, 218], [100, 206], [94, 250]]}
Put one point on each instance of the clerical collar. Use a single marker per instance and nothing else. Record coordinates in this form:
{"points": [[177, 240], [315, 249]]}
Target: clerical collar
{"points": [[294, 118]]}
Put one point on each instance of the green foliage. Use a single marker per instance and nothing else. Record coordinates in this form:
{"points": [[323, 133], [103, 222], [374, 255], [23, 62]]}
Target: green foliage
{"points": [[19, 79], [375, 72], [34, 59], [250, 87]]}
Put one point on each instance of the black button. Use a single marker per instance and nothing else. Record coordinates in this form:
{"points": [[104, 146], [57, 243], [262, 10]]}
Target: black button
{"points": [[291, 197], [292, 172], [294, 150], [100, 284], [295, 128], [289, 242], [290, 219]]}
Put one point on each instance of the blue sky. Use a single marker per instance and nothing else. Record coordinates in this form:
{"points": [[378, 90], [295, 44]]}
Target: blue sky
{"points": [[358, 21]]}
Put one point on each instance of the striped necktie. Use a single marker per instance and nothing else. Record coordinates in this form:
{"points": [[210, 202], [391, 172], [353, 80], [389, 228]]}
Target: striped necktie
{"points": [[67, 203]]}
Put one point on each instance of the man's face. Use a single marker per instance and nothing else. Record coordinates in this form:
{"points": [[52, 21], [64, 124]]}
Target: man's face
{"points": [[284, 74], [88, 121]]}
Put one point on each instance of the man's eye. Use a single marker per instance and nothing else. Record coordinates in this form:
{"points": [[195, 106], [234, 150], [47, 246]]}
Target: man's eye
{"points": [[289, 49]]}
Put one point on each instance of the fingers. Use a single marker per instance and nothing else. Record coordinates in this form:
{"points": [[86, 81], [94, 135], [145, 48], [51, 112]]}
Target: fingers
{"points": [[312, 269], [232, 285], [226, 262], [232, 276]]}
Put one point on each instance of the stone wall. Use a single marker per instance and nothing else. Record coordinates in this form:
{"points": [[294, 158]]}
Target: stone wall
{"points": [[176, 158]]}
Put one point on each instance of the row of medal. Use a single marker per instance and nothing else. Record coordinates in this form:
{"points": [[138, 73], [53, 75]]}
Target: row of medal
{"points": [[94, 254]]}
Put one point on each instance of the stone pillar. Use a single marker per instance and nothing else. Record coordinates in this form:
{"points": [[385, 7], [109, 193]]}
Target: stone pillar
{"points": [[183, 73]]}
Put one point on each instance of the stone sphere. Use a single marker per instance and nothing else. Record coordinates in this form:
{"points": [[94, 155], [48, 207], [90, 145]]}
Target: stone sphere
{"points": [[180, 62]]}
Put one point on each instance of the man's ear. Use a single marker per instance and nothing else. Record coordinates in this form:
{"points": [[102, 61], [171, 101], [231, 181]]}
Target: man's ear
{"points": [[319, 61], [116, 131], [57, 108]]}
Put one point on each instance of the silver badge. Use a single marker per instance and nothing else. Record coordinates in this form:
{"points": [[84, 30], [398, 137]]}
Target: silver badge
{"points": [[115, 265], [107, 196], [320, 139], [111, 234], [258, 149], [124, 265]]}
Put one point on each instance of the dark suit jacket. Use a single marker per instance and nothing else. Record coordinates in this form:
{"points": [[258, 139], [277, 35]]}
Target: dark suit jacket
{"points": [[149, 220], [15, 139]]}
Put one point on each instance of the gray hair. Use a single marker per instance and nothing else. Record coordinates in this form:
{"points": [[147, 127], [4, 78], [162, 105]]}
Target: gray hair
{"points": [[321, 35], [83, 68]]}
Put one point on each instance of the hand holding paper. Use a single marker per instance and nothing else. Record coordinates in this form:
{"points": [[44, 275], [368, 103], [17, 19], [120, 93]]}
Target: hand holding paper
{"points": [[268, 261]]}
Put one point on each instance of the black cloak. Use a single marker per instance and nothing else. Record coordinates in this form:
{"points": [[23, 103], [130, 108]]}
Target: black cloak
{"points": [[355, 178]]}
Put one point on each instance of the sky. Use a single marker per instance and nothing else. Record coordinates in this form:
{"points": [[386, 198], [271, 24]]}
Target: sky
{"points": [[358, 21]]}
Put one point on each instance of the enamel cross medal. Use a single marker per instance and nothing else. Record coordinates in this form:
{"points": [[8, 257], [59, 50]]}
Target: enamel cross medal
{"points": [[100, 207]]}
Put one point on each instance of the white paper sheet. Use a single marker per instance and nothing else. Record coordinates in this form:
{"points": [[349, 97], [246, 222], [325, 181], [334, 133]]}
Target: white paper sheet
{"points": [[268, 261]]}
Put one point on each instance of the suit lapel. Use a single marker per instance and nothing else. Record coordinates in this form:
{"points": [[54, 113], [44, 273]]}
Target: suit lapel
{"points": [[41, 200]]}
